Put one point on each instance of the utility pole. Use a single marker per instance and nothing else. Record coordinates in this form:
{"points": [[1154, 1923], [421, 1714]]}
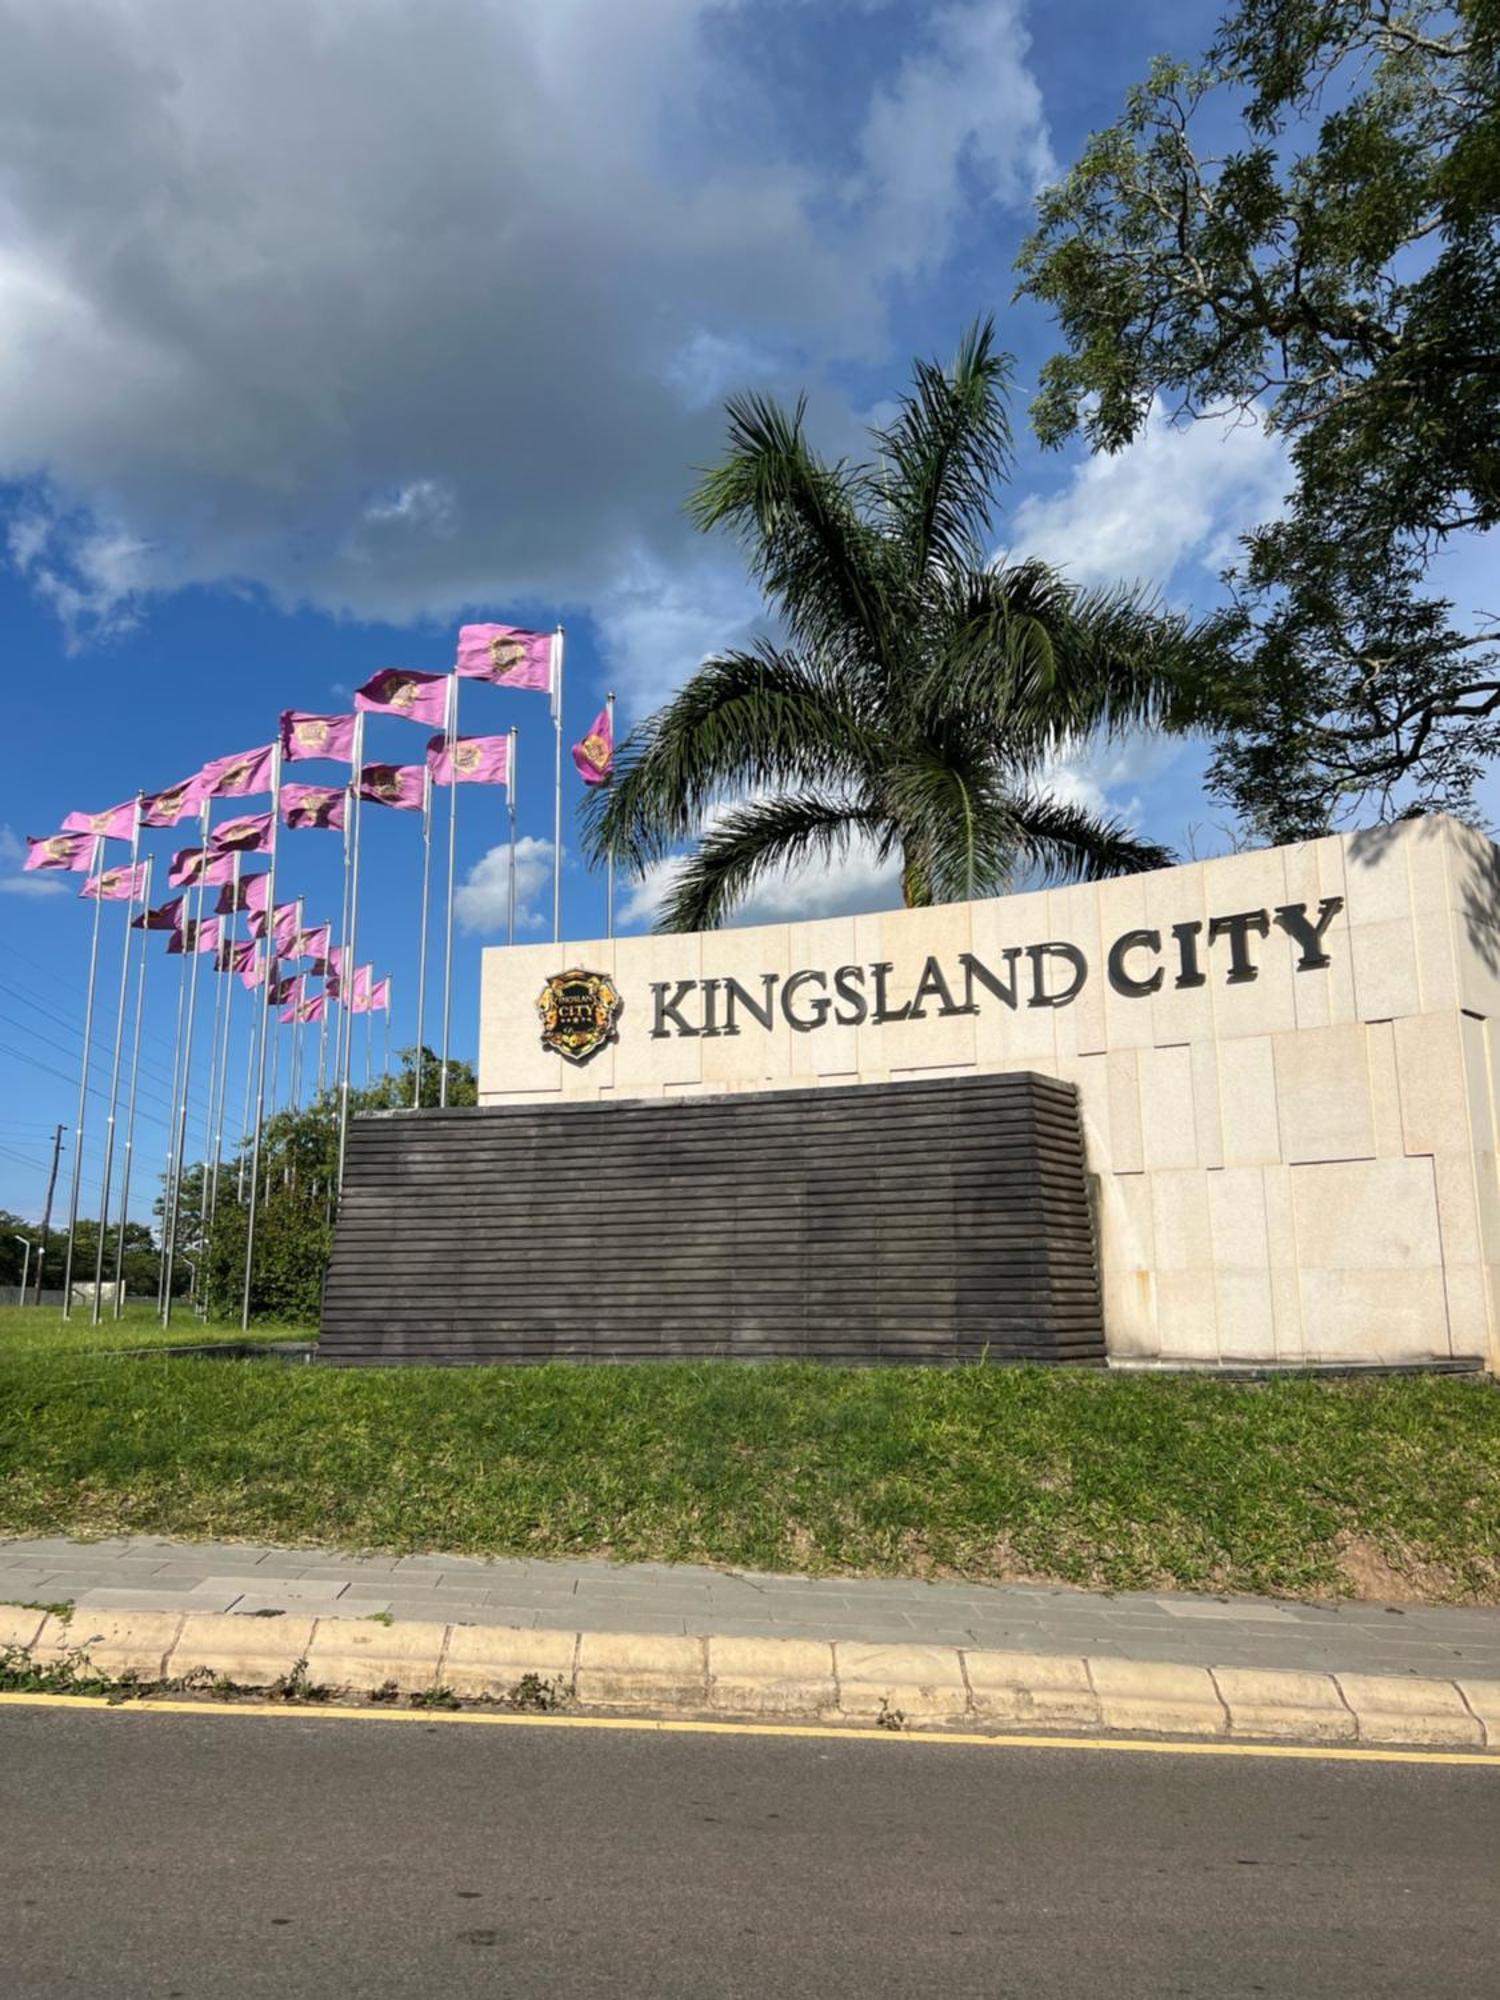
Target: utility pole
{"points": [[57, 1137]]}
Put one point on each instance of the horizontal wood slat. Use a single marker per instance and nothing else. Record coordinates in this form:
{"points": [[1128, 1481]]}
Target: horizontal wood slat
{"points": [[945, 1220]]}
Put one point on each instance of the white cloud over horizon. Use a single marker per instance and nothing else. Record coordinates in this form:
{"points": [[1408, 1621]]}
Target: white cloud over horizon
{"points": [[393, 311], [12, 859], [481, 902]]}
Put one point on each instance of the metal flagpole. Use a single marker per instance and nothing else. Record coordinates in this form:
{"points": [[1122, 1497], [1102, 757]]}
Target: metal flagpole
{"points": [[83, 1090], [135, 1071], [609, 866], [260, 1071], [114, 1070], [170, 1177], [214, 1039], [416, 1089], [230, 976], [511, 811], [346, 978], [273, 1006], [389, 991], [174, 1204], [557, 718], [369, 1032], [323, 1040], [257, 1015], [452, 855]]}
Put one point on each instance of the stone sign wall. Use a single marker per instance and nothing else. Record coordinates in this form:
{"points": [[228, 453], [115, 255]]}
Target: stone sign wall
{"points": [[1285, 1062]]}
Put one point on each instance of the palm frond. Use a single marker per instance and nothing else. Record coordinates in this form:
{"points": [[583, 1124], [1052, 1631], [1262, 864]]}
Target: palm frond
{"points": [[956, 822], [754, 721], [946, 452], [751, 840], [1065, 842], [800, 521]]}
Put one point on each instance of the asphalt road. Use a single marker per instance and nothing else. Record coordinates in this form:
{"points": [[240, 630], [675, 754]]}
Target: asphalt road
{"points": [[213, 1858]]}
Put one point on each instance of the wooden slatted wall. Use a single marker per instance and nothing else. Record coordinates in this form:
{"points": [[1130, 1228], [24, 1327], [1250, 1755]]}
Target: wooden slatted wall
{"points": [[945, 1220]]}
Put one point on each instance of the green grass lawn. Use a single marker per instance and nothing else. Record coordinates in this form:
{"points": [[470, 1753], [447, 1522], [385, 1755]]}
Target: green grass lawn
{"points": [[1305, 1488]]}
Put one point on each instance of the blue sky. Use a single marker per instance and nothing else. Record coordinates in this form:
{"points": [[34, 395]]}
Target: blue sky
{"points": [[326, 323]]}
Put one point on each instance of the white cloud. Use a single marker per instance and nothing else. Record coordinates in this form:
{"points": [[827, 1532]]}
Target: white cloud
{"points": [[482, 900], [12, 881], [1179, 495], [397, 310]]}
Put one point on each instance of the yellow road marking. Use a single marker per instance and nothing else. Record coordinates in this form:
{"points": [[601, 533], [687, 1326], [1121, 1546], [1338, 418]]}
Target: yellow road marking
{"points": [[814, 1732]]}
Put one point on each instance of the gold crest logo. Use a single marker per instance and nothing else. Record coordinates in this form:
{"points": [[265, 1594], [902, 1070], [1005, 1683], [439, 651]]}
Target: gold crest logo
{"points": [[401, 694], [506, 653], [312, 735], [578, 1012], [466, 757]]}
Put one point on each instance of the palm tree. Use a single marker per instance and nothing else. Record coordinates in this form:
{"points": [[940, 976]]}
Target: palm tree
{"points": [[921, 689]]}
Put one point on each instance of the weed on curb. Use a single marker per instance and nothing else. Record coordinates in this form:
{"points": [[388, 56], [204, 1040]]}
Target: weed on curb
{"points": [[62, 1611]]}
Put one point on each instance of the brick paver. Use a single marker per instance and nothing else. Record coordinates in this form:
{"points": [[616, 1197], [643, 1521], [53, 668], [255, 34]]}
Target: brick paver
{"points": [[149, 1573]]}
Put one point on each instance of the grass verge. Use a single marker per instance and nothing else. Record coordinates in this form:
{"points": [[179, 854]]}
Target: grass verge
{"points": [[1381, 1488]]}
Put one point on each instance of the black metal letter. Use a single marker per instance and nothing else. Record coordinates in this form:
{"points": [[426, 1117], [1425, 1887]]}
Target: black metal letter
{"points": [[882, 1012], [1292, 918], [1191, 974], [797, 981], [1237, 929], [1040, 997], [664, 1007], [930, 986], [844, 979], [975, 968], [733, 991], [1125, 982]]}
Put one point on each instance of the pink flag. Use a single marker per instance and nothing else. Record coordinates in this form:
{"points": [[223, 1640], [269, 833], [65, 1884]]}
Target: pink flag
{"points": [[336, 958], [476, 760], [313, 806], [167, 808], [311, 944], [312, 1008], [246, 835], [396, 691], [506, 655], [316, 736], [246, 897], [289, 988], [380, 997], [205, 936], [239, 776], [59, 850], [243, 952], [595, 755], [283, 924], [400, 785], [360, 989], [166, 918], [253, 971], [116, 824], [192, 865], [116, 885]]}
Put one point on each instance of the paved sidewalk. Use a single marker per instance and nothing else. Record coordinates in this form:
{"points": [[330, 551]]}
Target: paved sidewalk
{"points": [[146, 1573]]}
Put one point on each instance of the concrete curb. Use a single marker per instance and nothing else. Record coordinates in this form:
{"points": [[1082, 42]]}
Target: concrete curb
{"points": [[822, 1680]]}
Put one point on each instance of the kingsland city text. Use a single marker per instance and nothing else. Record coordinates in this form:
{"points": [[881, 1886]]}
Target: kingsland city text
{"points": [[1138, 963]]}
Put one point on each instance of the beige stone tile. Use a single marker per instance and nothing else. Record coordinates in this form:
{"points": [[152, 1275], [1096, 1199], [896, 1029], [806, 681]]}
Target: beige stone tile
{"points": [[641, 1670], [1367, 1215], [1434, 934], [1385, 1090], [1122, 907], [1275, 1704], [1409, 1709], [1179, 1221], [1187, 1315], [890, 1679], [1321, 995], [489, 1661], [1072, 915], [1241, 884], [1177, 896], [1249, 1126], [771, 1676], [251, 1652], [1127, 1151], [1323, 1095], [1208, 1126], [1429, 1067], [1168, 1122], [1237, 1219], [821, 948], [1090, 1077], [643, 1065], [752, 1055], [1281, 1242], [1002, 1033], [1458, 1207], [1474, 902], [1245, 1315], [362, 1654], [1385, 970], [1467, 1298], [1130, 1323], [1376, 881], [1374, 1315]]}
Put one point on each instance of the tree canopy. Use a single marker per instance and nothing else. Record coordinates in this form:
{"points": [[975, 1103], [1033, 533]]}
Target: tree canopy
{"points": [[1302, 230], [920, 688]]}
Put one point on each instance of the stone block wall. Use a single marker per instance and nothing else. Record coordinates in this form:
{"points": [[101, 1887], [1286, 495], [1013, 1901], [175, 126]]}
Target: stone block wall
{"points": [[1293, 1144]]}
